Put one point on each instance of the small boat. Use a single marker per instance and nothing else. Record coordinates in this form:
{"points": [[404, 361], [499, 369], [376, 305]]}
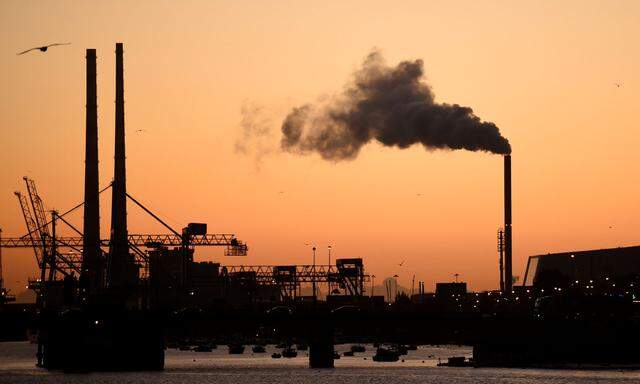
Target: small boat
{"points": [[347, 353], [289, 352], [258, 349], [456, 361], [358, 348], [386, 355], [400, 349], [276, 355], [236, 349]]}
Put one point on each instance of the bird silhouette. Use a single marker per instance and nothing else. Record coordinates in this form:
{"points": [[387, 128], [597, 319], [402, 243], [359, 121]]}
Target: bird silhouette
{"points": [[617, 84], [401, 264], [44, 48]]}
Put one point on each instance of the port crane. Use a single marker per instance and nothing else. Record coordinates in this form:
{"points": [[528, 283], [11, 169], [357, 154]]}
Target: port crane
{"points": [[39, 236], [346, 274], [46, 244]]}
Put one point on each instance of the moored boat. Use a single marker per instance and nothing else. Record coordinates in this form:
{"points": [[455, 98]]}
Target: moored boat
{"points": [[236, 349], [386, 355], [289, 352]]}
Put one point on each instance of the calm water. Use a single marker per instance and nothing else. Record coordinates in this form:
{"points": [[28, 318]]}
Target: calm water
{"points": [[17, 366]]}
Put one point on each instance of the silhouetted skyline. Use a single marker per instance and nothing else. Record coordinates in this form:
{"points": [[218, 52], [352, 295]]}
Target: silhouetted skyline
{"points": [[545, 75]]}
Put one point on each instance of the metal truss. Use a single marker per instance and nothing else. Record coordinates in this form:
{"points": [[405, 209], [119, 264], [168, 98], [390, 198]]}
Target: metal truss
{"points": [[290, 277]]}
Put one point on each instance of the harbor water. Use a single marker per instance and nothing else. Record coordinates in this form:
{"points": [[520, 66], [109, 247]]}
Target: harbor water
{"points": [[419, 366]]}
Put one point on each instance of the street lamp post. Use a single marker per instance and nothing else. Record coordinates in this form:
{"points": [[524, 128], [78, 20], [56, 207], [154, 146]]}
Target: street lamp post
{"points": [[329, 272], [313, 273]]}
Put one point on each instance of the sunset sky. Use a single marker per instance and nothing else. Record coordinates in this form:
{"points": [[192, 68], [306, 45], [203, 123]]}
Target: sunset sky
{"points": [[544, 71]]}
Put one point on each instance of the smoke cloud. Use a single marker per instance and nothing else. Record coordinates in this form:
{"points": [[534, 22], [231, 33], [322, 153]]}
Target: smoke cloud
{"points": [[390, 105]]}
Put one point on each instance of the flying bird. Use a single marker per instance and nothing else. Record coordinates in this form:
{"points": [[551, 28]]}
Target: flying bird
{"points": [[401, 264], [617, 84], [43, 48]]}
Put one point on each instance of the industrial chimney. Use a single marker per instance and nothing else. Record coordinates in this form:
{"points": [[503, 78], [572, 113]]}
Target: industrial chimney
{"points": [[91, 274], [508, 272], [120, 263]]}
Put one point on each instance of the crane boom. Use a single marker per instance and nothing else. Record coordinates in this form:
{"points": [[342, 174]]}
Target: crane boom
{"points": [[30, 239], [139, 240], [38, 207]]}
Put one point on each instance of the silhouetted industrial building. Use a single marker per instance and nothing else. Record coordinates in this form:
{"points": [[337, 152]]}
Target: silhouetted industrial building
{"points": [[445, 290], [563, 269]]}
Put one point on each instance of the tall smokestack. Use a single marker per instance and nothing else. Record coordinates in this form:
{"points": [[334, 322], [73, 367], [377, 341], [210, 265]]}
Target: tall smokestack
{"points": [[91, 274], [508, 272], [119, 246]]}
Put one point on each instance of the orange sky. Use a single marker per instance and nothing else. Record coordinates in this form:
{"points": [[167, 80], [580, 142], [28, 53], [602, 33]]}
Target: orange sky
{"points": [[542, 71]]}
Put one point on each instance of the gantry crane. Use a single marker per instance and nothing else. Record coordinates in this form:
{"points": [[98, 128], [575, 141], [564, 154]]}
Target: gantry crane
{"points": [[347, 274], [45, 243]]}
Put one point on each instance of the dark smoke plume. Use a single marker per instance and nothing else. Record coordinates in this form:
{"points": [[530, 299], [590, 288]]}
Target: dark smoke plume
{"points": [[390, 105]]}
